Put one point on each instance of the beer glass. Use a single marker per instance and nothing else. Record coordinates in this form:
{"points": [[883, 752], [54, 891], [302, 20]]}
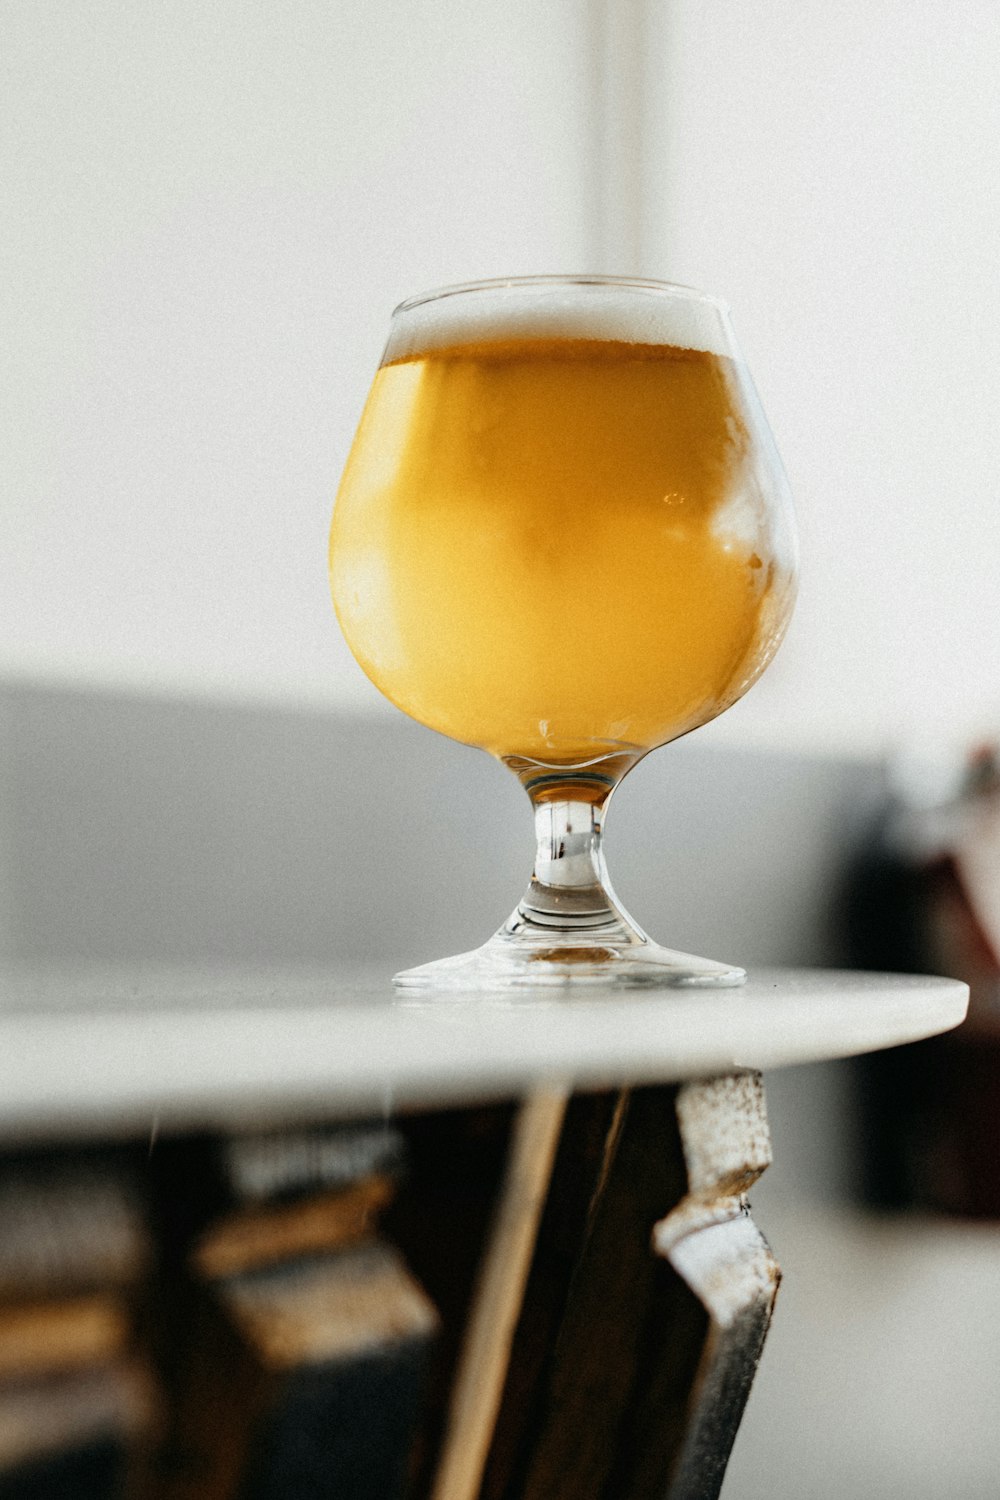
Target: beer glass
{"points": [[563, 535]]}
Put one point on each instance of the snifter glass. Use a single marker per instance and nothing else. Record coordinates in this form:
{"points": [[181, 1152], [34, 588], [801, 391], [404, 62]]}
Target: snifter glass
{"points": [[564, 535]]}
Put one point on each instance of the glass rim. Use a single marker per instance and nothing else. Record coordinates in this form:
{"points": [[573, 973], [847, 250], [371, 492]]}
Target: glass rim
{"points": [[644, 284]]}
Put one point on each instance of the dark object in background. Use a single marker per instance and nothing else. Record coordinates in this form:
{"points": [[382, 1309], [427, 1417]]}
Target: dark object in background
{"points": [[295, 1341], [926, 899], [306, 1378], [94, 1470], [73, 1437], [77, 1399]]}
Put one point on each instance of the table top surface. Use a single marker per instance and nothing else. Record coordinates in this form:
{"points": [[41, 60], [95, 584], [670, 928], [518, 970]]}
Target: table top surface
{"points": [[122, 1052]]}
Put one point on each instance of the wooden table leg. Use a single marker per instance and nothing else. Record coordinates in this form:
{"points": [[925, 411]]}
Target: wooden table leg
{"points": [[623, 1303]]}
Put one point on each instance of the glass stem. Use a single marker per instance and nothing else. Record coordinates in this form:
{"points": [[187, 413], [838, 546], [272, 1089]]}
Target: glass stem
{"points": [[569, 891]]}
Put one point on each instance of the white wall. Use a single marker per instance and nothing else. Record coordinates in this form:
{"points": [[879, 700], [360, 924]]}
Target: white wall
{"points": [[834, 171], [210, 210]]}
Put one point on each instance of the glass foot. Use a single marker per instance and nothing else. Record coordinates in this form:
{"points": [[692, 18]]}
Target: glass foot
{"points": [[568, 930], [509, 962]]}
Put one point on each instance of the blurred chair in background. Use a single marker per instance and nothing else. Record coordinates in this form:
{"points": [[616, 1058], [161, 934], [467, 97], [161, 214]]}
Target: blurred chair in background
{"points": [[925, 898]]}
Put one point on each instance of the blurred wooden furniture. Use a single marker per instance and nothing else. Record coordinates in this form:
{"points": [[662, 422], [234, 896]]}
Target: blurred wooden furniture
{"points": [[574, 1208]]}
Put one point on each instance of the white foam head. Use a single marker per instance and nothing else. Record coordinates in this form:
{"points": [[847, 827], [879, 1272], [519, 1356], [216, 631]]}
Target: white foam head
{"points": [[634, 312]]}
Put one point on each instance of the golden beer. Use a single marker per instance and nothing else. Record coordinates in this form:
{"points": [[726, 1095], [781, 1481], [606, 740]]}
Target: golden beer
{"points": [[554, 547]]}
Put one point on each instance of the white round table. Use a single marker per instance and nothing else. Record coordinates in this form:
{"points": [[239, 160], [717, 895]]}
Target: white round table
{"points": [[621, 1294], [124, 1051]]}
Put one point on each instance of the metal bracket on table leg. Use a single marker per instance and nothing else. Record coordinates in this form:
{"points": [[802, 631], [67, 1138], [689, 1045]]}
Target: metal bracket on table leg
{"points": [[715, 1247]]}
